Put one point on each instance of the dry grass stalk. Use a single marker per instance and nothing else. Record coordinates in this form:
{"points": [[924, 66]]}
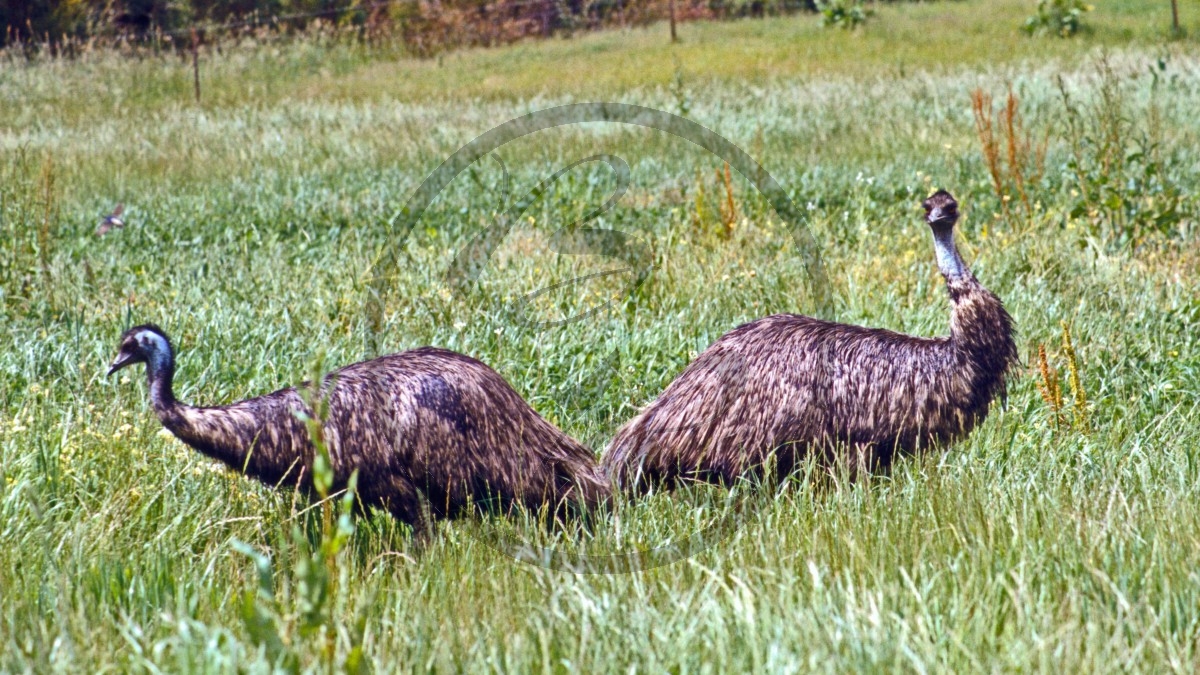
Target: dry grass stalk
{"points": [[700, 212], [1082, 421], [1023, 162], [1049, 387], [48, 212], [729, 207], [981, 106], [1011, 118], [1051, 390]]}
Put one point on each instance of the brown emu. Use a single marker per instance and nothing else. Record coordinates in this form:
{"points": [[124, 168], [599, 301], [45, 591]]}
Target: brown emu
{"points": [[785, 385], [423, 427]]}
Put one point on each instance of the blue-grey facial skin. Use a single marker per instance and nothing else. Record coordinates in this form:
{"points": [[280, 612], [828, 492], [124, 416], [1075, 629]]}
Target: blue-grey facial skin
{"points": [[144, 346]]}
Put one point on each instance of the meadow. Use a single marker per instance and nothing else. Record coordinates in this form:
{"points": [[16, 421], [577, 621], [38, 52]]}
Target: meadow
{"points": [[265, 236]]}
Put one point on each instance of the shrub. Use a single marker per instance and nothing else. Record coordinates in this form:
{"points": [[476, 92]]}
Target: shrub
{"points": [[848, 14], [1063, 18], [1125, 181]]}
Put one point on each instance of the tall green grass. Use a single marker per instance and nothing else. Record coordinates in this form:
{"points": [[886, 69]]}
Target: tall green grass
{"points": [[258, 219]]}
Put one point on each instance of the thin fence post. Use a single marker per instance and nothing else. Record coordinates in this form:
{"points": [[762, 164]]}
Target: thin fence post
{"points": [[1175, 17], [674, 37], [196, 63]]}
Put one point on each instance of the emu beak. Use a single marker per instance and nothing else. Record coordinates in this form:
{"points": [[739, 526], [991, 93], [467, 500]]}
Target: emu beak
{"points": [[936, 217], [120, 362], [941, 210]]}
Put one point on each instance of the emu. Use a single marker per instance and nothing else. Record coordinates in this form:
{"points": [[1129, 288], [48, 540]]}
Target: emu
{"points": [[782, 387], [430, 431]]}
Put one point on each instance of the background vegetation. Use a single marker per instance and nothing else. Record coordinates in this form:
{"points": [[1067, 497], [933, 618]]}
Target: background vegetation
{"points": [[1062, 536], [423, 27]]}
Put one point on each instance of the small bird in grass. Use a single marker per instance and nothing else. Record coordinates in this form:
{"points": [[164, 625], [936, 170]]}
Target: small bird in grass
{"points": [[111, 220]]}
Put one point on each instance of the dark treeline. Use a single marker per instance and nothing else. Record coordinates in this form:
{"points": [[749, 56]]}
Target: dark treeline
{"points": [[426, 26]]}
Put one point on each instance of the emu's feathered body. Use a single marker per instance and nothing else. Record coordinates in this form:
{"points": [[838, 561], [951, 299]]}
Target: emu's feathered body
{"points": [[787, 385], [422, 424]]}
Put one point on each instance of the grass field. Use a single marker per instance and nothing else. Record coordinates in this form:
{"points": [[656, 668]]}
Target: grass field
{"points": [[259, 218]]}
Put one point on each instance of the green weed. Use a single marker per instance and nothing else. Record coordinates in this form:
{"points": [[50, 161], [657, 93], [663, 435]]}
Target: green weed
{"points": [[1124, 186], [1061, 18], [845, 14]]}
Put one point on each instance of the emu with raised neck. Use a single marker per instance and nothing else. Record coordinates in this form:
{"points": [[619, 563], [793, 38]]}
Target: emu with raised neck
{"points": [[784, 387]]}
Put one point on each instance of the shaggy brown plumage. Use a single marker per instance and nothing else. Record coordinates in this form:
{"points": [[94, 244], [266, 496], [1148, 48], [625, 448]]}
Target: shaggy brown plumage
{"points": [[426, 424], [790, 385]]}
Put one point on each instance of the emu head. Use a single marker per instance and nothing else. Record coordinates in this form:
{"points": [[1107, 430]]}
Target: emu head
{"points": [[941, 211], [143, 344]]}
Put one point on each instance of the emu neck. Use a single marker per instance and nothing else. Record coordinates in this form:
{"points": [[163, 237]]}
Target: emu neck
{"points": [[219, 433], [983, 331], [949, 262], [160, 375], [979, 325]]}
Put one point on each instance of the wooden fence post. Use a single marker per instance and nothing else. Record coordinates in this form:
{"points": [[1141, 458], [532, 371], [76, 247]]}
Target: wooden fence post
{"points": [[196, 63]]}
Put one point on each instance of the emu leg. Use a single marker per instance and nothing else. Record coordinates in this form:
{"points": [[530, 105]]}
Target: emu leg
{"points": [[406, 504], [848, 464], [872, 459]]}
